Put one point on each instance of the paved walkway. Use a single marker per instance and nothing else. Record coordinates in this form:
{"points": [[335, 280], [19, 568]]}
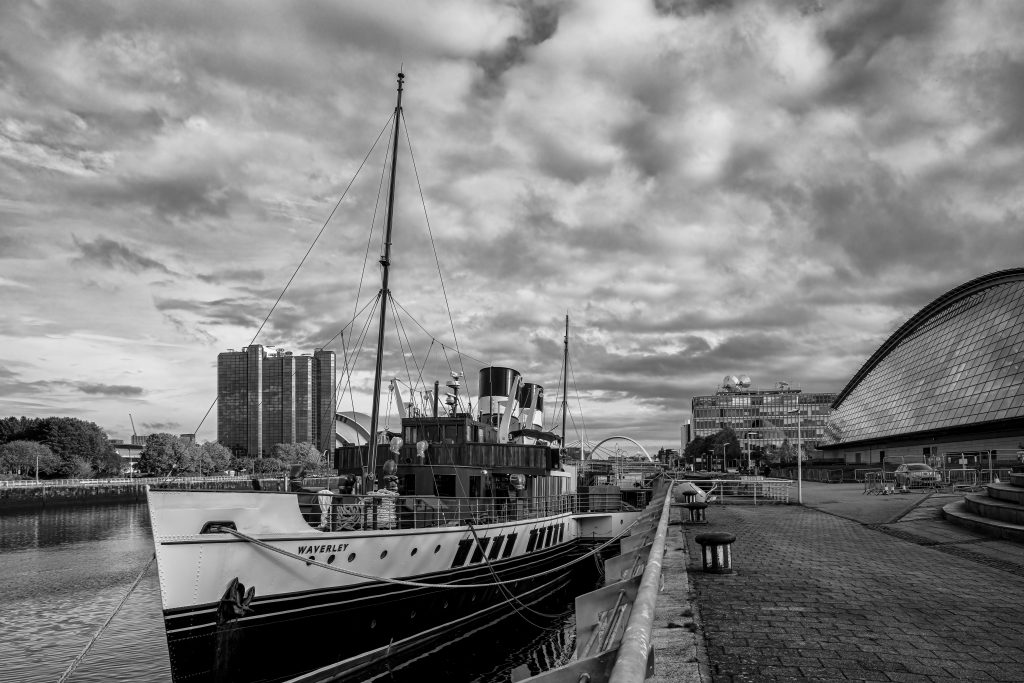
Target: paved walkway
{"points": [[855, 587]]}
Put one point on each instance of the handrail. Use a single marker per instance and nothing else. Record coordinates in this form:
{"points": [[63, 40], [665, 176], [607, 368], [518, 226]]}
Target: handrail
{"points": [[631, 662], [32, 483]]}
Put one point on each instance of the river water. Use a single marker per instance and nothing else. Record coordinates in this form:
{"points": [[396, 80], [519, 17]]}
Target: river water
{"points": [[65, 569]]}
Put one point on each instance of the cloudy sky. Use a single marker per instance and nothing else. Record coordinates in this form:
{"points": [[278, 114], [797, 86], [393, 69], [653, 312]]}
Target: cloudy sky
{"points": [[705, 188]]}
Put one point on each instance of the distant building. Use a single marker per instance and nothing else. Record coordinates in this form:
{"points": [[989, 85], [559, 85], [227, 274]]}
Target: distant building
{"points": [[129, 454], [267, 396], [946, 388], [762, 417]]}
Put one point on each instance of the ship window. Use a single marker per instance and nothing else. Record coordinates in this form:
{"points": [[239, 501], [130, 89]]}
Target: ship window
{"points": [[551, 531], [561, 532], [444, 485], [510, 544], [474, 487], [495, 548], [478, 554], [532, 542], [463, 552], [408, 484]]}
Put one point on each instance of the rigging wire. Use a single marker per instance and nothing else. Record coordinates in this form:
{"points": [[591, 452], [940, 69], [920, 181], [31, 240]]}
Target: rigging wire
{"points": [[430, 232], [308, 251]]}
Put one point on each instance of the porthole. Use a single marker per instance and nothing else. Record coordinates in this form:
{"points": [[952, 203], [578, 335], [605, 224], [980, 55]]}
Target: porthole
{"points": [[414, 551], [373, 623], [412, 615], [330, 560], [437, 549], [351, 556], [383, 554], [445, 605]]}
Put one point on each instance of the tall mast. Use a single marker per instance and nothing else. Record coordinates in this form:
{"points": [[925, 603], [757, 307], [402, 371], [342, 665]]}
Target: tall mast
{"points": [[565, 387], [385, 262]]}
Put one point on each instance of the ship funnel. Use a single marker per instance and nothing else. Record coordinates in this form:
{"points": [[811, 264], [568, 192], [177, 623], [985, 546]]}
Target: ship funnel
{"points": [[493, 393], [531, 406]]}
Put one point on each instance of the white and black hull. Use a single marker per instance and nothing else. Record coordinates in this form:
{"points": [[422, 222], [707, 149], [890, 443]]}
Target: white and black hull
{"points": [[302, 617]]}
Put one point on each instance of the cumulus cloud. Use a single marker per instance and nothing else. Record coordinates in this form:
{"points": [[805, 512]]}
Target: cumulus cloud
{"points": [[112, 254], [706, 187]]}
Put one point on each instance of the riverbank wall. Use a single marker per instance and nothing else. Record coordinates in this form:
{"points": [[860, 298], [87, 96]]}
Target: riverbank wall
{"points": [[24, 497]]}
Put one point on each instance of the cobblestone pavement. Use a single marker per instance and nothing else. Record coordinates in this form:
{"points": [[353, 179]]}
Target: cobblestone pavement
{"points": [[819, 597]]}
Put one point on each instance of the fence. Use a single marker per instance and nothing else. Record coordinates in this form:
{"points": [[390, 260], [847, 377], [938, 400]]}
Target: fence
{"points": [[755, 489], [141, 481]]}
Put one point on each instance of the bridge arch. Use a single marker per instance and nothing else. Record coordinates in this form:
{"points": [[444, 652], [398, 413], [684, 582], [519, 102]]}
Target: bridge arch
{"points": [[625, 438]]}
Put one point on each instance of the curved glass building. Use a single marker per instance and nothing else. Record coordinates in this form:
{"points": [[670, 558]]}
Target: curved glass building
{"points": [[945, 387]]}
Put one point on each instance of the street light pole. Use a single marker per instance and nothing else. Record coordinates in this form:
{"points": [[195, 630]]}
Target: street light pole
{"points": [[799, 458]]}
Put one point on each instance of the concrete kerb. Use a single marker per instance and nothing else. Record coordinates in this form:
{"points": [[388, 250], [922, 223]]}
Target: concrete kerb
{"points": [[677, 634]]}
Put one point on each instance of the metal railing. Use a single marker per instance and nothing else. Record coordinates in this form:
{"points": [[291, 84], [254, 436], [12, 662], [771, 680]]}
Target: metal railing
{"points": [[755, 489], [861, 474], [32, 483], [329, 511]]}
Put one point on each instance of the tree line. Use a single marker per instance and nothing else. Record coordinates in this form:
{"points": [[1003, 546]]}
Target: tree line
{"points": [[710, 449], [70, 448], [168, 454], [63, 447]]}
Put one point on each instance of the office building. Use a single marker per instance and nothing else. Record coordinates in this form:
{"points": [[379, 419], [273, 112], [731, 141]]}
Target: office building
{"points": [[267, 396], [762, 418], [945, 388]]}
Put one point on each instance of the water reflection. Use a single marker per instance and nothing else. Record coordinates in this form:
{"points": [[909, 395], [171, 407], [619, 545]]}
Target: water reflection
{"points": [[64, 570]]}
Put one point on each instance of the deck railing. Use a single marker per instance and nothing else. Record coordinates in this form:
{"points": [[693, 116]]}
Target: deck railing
{"points": [[339, 512]]}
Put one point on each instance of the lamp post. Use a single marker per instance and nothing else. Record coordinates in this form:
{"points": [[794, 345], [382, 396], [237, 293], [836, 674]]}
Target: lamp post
{"points": [[746, 437], [799, 456]]}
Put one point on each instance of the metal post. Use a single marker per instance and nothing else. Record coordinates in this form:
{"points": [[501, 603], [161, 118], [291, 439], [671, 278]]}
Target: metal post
{"points": [[799, 458]]}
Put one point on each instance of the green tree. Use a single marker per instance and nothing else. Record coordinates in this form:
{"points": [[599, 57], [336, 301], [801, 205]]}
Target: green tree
{"points": [[267, 466], [242, 463], [22, 457], [695, 449], [787, 453], [302, 453], [73, 441], [12, 428], [164, 453], [207, 458]]}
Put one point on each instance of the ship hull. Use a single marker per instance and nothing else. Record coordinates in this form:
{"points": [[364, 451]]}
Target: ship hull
{"points": [[303, 617]]}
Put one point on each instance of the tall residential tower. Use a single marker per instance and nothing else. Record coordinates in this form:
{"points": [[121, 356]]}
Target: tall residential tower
{"points": [[267, 396]]}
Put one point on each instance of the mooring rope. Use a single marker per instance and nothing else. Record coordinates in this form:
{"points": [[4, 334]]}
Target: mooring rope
{"points": [[510, 599], [417, 584], [78, 660]]}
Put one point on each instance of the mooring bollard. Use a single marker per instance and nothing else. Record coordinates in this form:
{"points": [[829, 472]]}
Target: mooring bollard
{"points": [[715, 551], [698, 513]]}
